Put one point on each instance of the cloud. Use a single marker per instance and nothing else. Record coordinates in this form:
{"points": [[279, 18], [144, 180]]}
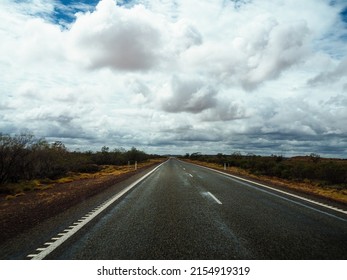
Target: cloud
{"points": [[260, 51], [224, 111], [284, 47], [176, 76], [331, 76], [188, 95], [129, 39], [116, 37]]}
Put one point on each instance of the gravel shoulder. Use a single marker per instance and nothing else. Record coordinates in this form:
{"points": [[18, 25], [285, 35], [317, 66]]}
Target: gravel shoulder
{"points": [[31, 209]]}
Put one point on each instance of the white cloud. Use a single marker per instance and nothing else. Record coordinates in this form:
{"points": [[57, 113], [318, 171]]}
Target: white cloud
{"points": [[259, 51], [214, 76], [116, 37], [187, 95], [336, 74]]}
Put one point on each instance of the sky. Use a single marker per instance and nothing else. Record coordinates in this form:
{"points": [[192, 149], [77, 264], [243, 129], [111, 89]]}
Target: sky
{"points": [[174, 77]]}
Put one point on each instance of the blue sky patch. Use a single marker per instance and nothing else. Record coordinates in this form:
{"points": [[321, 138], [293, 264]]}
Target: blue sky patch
{"points": [[64, 13], [343, 15]]}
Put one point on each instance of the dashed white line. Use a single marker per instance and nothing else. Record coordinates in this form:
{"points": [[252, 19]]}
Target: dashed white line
{"points": [[282, 192], [190, 175], [215, 198]]}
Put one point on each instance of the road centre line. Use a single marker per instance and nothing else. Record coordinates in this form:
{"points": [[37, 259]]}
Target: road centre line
{"points": [[215, 198], [86, 220], [282, 192]]}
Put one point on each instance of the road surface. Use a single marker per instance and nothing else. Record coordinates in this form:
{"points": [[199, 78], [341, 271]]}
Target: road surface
{"points": [[183, 211]]}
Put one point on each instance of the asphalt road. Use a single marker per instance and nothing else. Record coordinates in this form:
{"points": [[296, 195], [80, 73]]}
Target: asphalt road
{"points": [[182, 211]]}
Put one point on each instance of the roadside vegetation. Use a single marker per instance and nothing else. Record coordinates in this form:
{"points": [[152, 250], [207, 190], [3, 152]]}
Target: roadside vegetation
{"points": [[28, 163], [311, 174]]}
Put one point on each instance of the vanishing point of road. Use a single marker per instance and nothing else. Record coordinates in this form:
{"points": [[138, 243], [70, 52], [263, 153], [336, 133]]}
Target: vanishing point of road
{"points": [[184, 211]]}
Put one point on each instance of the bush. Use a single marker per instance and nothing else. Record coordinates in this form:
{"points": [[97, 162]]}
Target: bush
{"points": [[311, 168], [24, 157]]}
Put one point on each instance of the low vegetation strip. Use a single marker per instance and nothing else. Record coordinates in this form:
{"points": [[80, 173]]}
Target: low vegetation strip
{"points": [[25, 158], [335, 192], [32, 207]]}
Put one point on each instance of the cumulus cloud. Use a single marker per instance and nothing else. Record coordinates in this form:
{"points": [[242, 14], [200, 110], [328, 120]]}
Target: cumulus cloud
{"points": [[224, 111], [187, 95], [285, 46], [128, 39], [331, 76], [167, 75], [116, 37], [260, 51]]}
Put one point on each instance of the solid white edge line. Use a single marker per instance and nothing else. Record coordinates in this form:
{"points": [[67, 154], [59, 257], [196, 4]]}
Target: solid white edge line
{"points": [[215, 198], [274, 189], [66, 236]]}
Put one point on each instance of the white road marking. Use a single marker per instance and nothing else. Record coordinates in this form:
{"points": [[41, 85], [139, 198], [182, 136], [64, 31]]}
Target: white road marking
{"points": [[87, 219], [40, 249], [190, 175], [215, 198], [282, 192]]}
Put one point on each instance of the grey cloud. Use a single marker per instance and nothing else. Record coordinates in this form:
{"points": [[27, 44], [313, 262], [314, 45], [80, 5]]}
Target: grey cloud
{"points": [[330, 76], [258, 53], [127, 47], [288, 143], [284, 47], [296, 126], [5, 106], [239, 3], [337, 100], [187, 36], [224, 111], [189, 96], [192, 36], [118, 40]]}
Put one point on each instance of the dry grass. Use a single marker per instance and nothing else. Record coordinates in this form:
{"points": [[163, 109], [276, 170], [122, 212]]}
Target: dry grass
{"points": [[106, 171], [330, 192]]}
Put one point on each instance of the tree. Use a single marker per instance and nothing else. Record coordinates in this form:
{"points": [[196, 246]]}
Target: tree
{"points": [[14, 153], [315, 157]]}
